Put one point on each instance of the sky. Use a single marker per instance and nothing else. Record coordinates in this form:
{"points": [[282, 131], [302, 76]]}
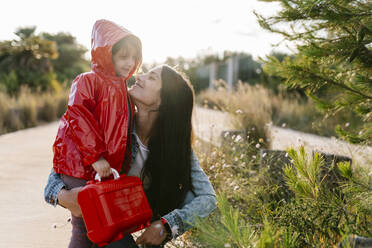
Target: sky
{"points": [[167, 28]]}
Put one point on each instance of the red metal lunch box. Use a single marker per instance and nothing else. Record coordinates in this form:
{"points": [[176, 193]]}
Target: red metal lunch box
{"points": [[114, 208]]}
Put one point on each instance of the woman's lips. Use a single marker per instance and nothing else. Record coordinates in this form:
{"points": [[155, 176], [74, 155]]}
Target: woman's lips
{"points": [[138, 85]]}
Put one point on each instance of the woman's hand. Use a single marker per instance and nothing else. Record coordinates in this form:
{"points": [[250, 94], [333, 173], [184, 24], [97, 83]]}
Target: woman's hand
{"points": [[68, 199], [102, 167], [153, 235]]}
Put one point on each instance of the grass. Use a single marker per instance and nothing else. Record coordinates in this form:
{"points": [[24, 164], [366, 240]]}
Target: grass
{"points": [[28, 109], [254, 212], [254, 106]]}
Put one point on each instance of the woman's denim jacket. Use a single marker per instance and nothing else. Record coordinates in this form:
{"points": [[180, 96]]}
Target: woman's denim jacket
{"points": [[201, 202]]}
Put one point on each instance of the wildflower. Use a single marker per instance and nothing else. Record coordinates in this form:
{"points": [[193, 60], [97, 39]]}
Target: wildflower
{"points": [[212, 167], [227, 245], [261, 140], [242, 156], [263, 155], [360, 132], [225, 135], [236, 187], [286, 154], [253, 129], [284, 124], [238, 138], [258, 145], [236, 159], [238, 111], [347, 124], [254, 156], [225, 166]]}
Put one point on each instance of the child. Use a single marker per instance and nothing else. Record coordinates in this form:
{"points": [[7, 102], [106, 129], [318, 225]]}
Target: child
{"points": [[94, 133]]}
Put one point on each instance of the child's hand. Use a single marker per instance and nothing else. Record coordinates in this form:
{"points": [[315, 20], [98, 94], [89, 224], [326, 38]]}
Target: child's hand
{"points": [[102, 167]]}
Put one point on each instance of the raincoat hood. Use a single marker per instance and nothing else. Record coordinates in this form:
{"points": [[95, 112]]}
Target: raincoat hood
{"points": [[105, 35]]}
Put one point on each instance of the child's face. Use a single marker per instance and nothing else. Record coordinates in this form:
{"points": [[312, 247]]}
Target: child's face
{"points": [[124, 61]]}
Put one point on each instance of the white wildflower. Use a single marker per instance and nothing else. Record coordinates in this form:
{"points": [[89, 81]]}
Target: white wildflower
{"points": [[347, 124], [227, 245], [225, 166], [263, 155], [258, 145], [239, 111], [284, 124], [254, 156], [238, 138], [236, 187]]}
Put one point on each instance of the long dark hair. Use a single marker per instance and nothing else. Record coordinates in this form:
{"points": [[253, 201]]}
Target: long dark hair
{"points": [[168, 166]]}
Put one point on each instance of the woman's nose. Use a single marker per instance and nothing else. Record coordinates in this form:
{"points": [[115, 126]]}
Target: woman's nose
{"points": [[138, 77]]}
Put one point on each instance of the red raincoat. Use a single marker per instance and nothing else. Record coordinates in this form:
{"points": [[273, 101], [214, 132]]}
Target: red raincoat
{"points": [[96, 122]]}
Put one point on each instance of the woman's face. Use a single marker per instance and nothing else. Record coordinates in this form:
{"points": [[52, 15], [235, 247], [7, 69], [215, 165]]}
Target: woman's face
{"points": [[147, 88]]}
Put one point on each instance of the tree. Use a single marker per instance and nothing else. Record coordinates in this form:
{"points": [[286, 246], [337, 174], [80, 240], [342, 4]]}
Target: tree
{"points": [[71, 60], [27, 61], [333, 59]]}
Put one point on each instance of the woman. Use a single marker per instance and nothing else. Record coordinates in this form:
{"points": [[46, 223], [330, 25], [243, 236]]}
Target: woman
{"points": [[176, 186]]}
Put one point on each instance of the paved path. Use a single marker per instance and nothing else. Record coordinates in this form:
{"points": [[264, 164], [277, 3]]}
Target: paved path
{"points": [[25, 161]]}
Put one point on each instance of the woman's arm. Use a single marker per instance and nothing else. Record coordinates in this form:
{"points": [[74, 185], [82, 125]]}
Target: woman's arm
{"points": [[204, 202], [55, 193]]}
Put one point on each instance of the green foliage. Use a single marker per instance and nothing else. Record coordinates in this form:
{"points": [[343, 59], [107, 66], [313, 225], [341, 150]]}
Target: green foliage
{"points": [[333, 63], [229, 229], [26, 61], [71, 60], [314, 216], [40, 62], [304, 179]]}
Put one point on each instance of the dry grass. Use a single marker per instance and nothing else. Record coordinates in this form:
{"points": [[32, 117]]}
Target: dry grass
{"points": [[254, 106], [29, 109]]}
